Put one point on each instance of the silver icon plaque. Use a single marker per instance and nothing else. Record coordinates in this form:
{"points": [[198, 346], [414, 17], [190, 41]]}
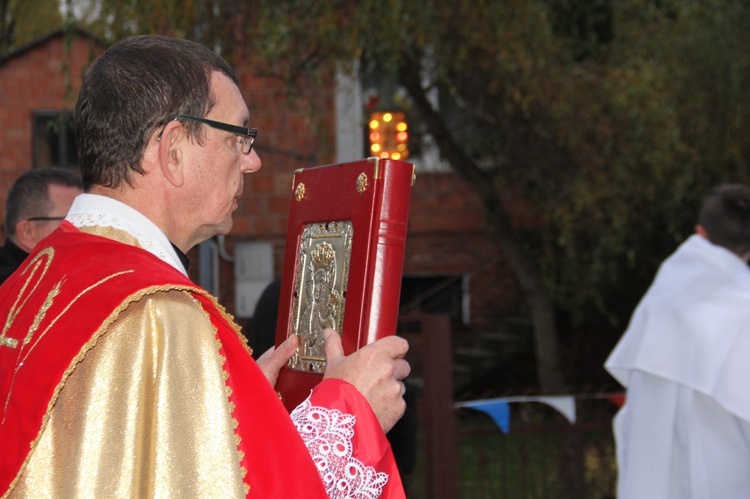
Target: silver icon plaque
{"points": [[320, 290]]}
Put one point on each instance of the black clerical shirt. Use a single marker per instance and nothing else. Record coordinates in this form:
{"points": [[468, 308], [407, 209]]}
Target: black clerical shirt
{"points": [[11, 257]]}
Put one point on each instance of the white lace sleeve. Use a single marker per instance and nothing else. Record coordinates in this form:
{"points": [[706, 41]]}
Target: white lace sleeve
{"points": [[328, 436]]}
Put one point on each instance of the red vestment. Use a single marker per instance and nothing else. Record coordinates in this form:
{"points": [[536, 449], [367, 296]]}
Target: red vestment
{"points": [[62, 300]]}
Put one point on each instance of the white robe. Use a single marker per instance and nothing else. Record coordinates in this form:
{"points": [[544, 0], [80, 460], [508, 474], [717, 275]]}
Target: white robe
{"points": [[684, 431]]}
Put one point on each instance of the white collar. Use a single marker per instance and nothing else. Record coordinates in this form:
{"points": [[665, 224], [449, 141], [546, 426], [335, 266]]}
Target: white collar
{"points": [[93, 210]]}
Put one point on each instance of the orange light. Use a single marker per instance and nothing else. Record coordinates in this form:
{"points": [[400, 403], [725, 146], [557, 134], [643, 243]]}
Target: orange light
{"points": [[388, 134]]}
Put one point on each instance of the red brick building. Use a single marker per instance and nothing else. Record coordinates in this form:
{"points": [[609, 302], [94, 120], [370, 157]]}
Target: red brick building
{"points": [[451, 265], [37, 91]]}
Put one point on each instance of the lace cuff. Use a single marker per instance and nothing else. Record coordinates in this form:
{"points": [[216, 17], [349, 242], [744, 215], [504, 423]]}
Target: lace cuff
{"points": [[328, 434]]}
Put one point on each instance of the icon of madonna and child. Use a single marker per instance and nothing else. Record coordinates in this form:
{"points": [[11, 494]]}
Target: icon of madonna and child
{"points": [[321, 301]]}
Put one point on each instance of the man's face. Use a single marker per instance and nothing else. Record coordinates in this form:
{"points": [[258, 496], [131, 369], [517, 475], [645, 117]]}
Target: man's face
{"points": [[214, 170], [61, 198]]}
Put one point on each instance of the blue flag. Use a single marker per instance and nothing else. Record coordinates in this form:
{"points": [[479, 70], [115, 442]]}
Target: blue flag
{"points": [[499, 411]]}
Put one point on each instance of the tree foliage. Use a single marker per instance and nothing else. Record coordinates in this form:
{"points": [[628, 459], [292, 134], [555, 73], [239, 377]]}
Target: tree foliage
{"points": [[23, 20], [658, 117]]}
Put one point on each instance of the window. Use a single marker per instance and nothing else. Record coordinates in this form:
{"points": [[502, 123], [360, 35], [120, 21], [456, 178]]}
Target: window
{"points": [[439, 294], [54, 141]]}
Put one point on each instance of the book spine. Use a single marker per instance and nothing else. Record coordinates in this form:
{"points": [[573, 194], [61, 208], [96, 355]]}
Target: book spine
{"points": [[391, 217]]}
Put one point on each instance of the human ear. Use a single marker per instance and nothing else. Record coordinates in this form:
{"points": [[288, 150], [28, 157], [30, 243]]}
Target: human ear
{"points": [[26, 235], [170, 141]]}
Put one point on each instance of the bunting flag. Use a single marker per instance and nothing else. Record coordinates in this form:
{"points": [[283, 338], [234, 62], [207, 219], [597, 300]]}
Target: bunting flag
{"points": [[565, 405], [618, 399], [499, 408]]}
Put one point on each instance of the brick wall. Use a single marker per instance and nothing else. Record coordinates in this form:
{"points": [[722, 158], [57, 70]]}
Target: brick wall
{"points": [[448, 235], [34, 80]]}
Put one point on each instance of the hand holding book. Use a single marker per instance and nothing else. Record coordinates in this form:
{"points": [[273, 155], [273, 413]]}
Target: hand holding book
{"points": [[342, 268]]}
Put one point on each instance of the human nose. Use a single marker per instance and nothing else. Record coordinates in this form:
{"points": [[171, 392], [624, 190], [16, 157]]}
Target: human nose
{"points": [[250, 162]]}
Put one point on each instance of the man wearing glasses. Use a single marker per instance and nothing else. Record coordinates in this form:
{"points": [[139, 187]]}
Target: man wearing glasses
{"points": [[119, 377], [37, 201]]}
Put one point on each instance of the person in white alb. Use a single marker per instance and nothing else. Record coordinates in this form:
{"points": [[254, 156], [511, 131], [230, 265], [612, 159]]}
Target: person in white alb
{"points": [[684, 431]]}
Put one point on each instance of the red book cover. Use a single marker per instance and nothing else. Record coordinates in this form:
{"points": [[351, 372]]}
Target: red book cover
{"points": [[343, 262]]}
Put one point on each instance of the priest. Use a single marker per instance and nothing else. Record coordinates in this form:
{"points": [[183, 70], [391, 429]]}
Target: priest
{"points": [[684, 431], [119, 377]]}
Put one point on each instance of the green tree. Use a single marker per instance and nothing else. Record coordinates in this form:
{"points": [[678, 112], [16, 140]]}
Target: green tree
{"points": [[23, 20], [661, 117]]}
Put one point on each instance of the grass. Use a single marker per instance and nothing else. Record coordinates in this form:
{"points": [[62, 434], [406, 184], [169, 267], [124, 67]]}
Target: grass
{"points": [[543, 456]]}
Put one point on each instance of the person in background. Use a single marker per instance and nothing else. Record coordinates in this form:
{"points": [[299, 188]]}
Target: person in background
{"points": [[120, 377], [261, 330], [36, 204], [684, 431]]}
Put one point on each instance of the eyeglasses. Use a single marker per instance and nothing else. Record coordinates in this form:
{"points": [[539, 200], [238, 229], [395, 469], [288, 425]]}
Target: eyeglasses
{"points": [[44, 219], [245, 136]]}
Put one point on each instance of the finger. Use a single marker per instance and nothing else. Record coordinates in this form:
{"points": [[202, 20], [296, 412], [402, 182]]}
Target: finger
{"points": [[396, 346], [274, 358], [402, 369], [393, 346], [334, 349], [266, 355], [289, 345]]}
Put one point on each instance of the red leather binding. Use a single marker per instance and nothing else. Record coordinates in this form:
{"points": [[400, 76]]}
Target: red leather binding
{"points": [[379, 217]]}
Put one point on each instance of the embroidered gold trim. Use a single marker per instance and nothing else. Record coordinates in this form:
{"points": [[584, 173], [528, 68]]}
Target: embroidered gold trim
{"points": [[42, 311], [15, 309], [13, 343], [103, 328], [228, 389], [70, 304], [8, 342]]}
